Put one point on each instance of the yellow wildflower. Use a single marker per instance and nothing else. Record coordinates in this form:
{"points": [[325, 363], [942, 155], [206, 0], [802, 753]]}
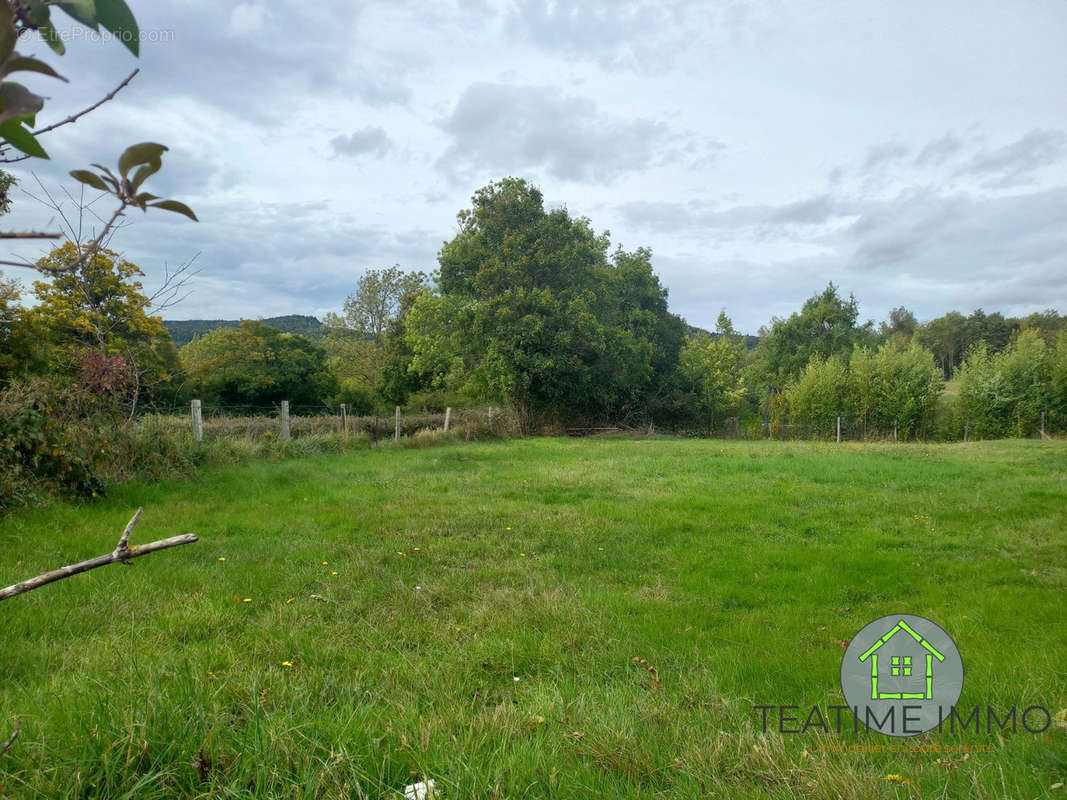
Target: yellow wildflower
{"points": [[247, 600], [287, 663], [222, 558]]}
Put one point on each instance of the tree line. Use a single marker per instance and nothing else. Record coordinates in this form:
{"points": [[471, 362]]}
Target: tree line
{"points": [[533, 309]]}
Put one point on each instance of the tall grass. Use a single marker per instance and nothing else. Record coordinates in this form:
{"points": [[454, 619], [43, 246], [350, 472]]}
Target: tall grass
{"points": [[395, 597]]}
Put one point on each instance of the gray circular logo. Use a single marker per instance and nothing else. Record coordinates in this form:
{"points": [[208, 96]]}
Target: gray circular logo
{"points": [[901, 675]]}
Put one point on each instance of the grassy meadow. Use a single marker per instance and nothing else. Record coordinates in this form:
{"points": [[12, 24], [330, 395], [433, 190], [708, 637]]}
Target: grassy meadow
{"points": [[534, 618]]}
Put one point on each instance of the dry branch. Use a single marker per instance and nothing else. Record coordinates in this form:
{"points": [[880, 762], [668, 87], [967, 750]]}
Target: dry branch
{"points": [[12, 738], [122, 553]]}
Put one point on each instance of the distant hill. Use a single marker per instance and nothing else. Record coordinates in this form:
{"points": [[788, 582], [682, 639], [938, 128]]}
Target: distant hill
{"points": [[183, 331]]}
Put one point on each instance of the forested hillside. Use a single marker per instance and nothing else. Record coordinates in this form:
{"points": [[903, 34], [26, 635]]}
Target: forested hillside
{"points": [[183, 331]]}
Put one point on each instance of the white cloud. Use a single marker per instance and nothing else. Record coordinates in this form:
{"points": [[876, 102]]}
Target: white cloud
{"points": [[247, 19]]}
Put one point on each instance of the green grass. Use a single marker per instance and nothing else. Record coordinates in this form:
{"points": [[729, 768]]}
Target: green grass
{"points": [[736, 570]]}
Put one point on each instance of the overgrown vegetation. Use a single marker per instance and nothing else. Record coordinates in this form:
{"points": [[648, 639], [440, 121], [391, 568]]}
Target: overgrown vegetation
{"points": [[393, 599]]}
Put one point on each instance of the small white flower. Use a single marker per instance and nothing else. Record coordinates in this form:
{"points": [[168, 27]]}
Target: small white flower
{"points": [[516, 679]]}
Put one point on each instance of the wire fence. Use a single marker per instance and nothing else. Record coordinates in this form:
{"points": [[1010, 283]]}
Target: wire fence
{"points": [[284, 421]]}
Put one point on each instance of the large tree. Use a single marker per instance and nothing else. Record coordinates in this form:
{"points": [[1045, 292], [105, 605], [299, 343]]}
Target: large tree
{"points": [[712, 369], [360, 341], [532, 311], [98, 306], [827, 325], [257, 365]]}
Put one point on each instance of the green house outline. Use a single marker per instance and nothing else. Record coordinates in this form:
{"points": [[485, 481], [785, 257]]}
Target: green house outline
{"points": [[930, 656]]}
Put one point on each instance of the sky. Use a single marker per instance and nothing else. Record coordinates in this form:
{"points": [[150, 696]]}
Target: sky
{"points": [[913, 153]]}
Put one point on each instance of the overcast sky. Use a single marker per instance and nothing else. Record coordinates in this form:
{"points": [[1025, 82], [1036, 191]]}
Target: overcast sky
{"points": [[914, 153]]}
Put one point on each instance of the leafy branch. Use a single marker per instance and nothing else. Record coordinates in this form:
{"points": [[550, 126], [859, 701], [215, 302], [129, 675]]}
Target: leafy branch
{"points": [[19, 107], [72, 118]]}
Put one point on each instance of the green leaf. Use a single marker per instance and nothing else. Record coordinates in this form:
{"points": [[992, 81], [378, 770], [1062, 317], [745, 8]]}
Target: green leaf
{"points": [[16, 100], [143, 198], [36, 12], [174, 205], [82, 10], [143, 153], [90, 178], [19, 63], [51, 38], [108, 177], [17, 136], [142, 174], [115, 16]]}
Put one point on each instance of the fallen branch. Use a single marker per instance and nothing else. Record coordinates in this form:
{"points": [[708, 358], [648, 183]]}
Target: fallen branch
{"points": [[122, 553], [12, 738]]}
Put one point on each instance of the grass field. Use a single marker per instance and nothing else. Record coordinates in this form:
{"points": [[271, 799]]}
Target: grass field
{"points": [[471, 613]]}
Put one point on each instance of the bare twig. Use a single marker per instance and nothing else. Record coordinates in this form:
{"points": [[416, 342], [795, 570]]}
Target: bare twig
{"points": [[12, 738], [74, 117], [29, 235], [122, 553], [124, 541]]}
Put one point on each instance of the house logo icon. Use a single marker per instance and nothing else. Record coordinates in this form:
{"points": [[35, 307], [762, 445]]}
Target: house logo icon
{"points": [[901, 675]]}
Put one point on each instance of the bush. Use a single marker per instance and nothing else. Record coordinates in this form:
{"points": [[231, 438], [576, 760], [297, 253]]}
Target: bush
{"points": [[46, 432]]}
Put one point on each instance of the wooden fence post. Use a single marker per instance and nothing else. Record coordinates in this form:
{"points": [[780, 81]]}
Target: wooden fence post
{"points": [[396, 434], [285, 420], [839, 430], [490, 416], [448, 418], [966, 430], [1042, 424], [198, 421], [894, 430], [344, 420]]}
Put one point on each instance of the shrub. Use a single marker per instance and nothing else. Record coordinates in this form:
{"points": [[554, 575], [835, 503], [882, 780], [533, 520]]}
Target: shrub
{"points": [[46, 431]]}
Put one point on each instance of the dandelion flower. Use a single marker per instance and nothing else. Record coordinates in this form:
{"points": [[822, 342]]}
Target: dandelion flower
{"points": [[325, 563], [247, 600], [416, 549], [522, 555], [333, 573], [600, 549], [287, 663], [222, 558], [895, 778], [507, 529]]}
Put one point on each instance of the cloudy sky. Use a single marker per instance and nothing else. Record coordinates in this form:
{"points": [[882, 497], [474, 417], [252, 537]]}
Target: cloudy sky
{"points": [[914, 153]]}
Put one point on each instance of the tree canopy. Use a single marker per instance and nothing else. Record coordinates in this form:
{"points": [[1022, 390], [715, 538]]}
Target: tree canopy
{"points": [[97, 304], [826, 325], [255, 365], [532, 311]]}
